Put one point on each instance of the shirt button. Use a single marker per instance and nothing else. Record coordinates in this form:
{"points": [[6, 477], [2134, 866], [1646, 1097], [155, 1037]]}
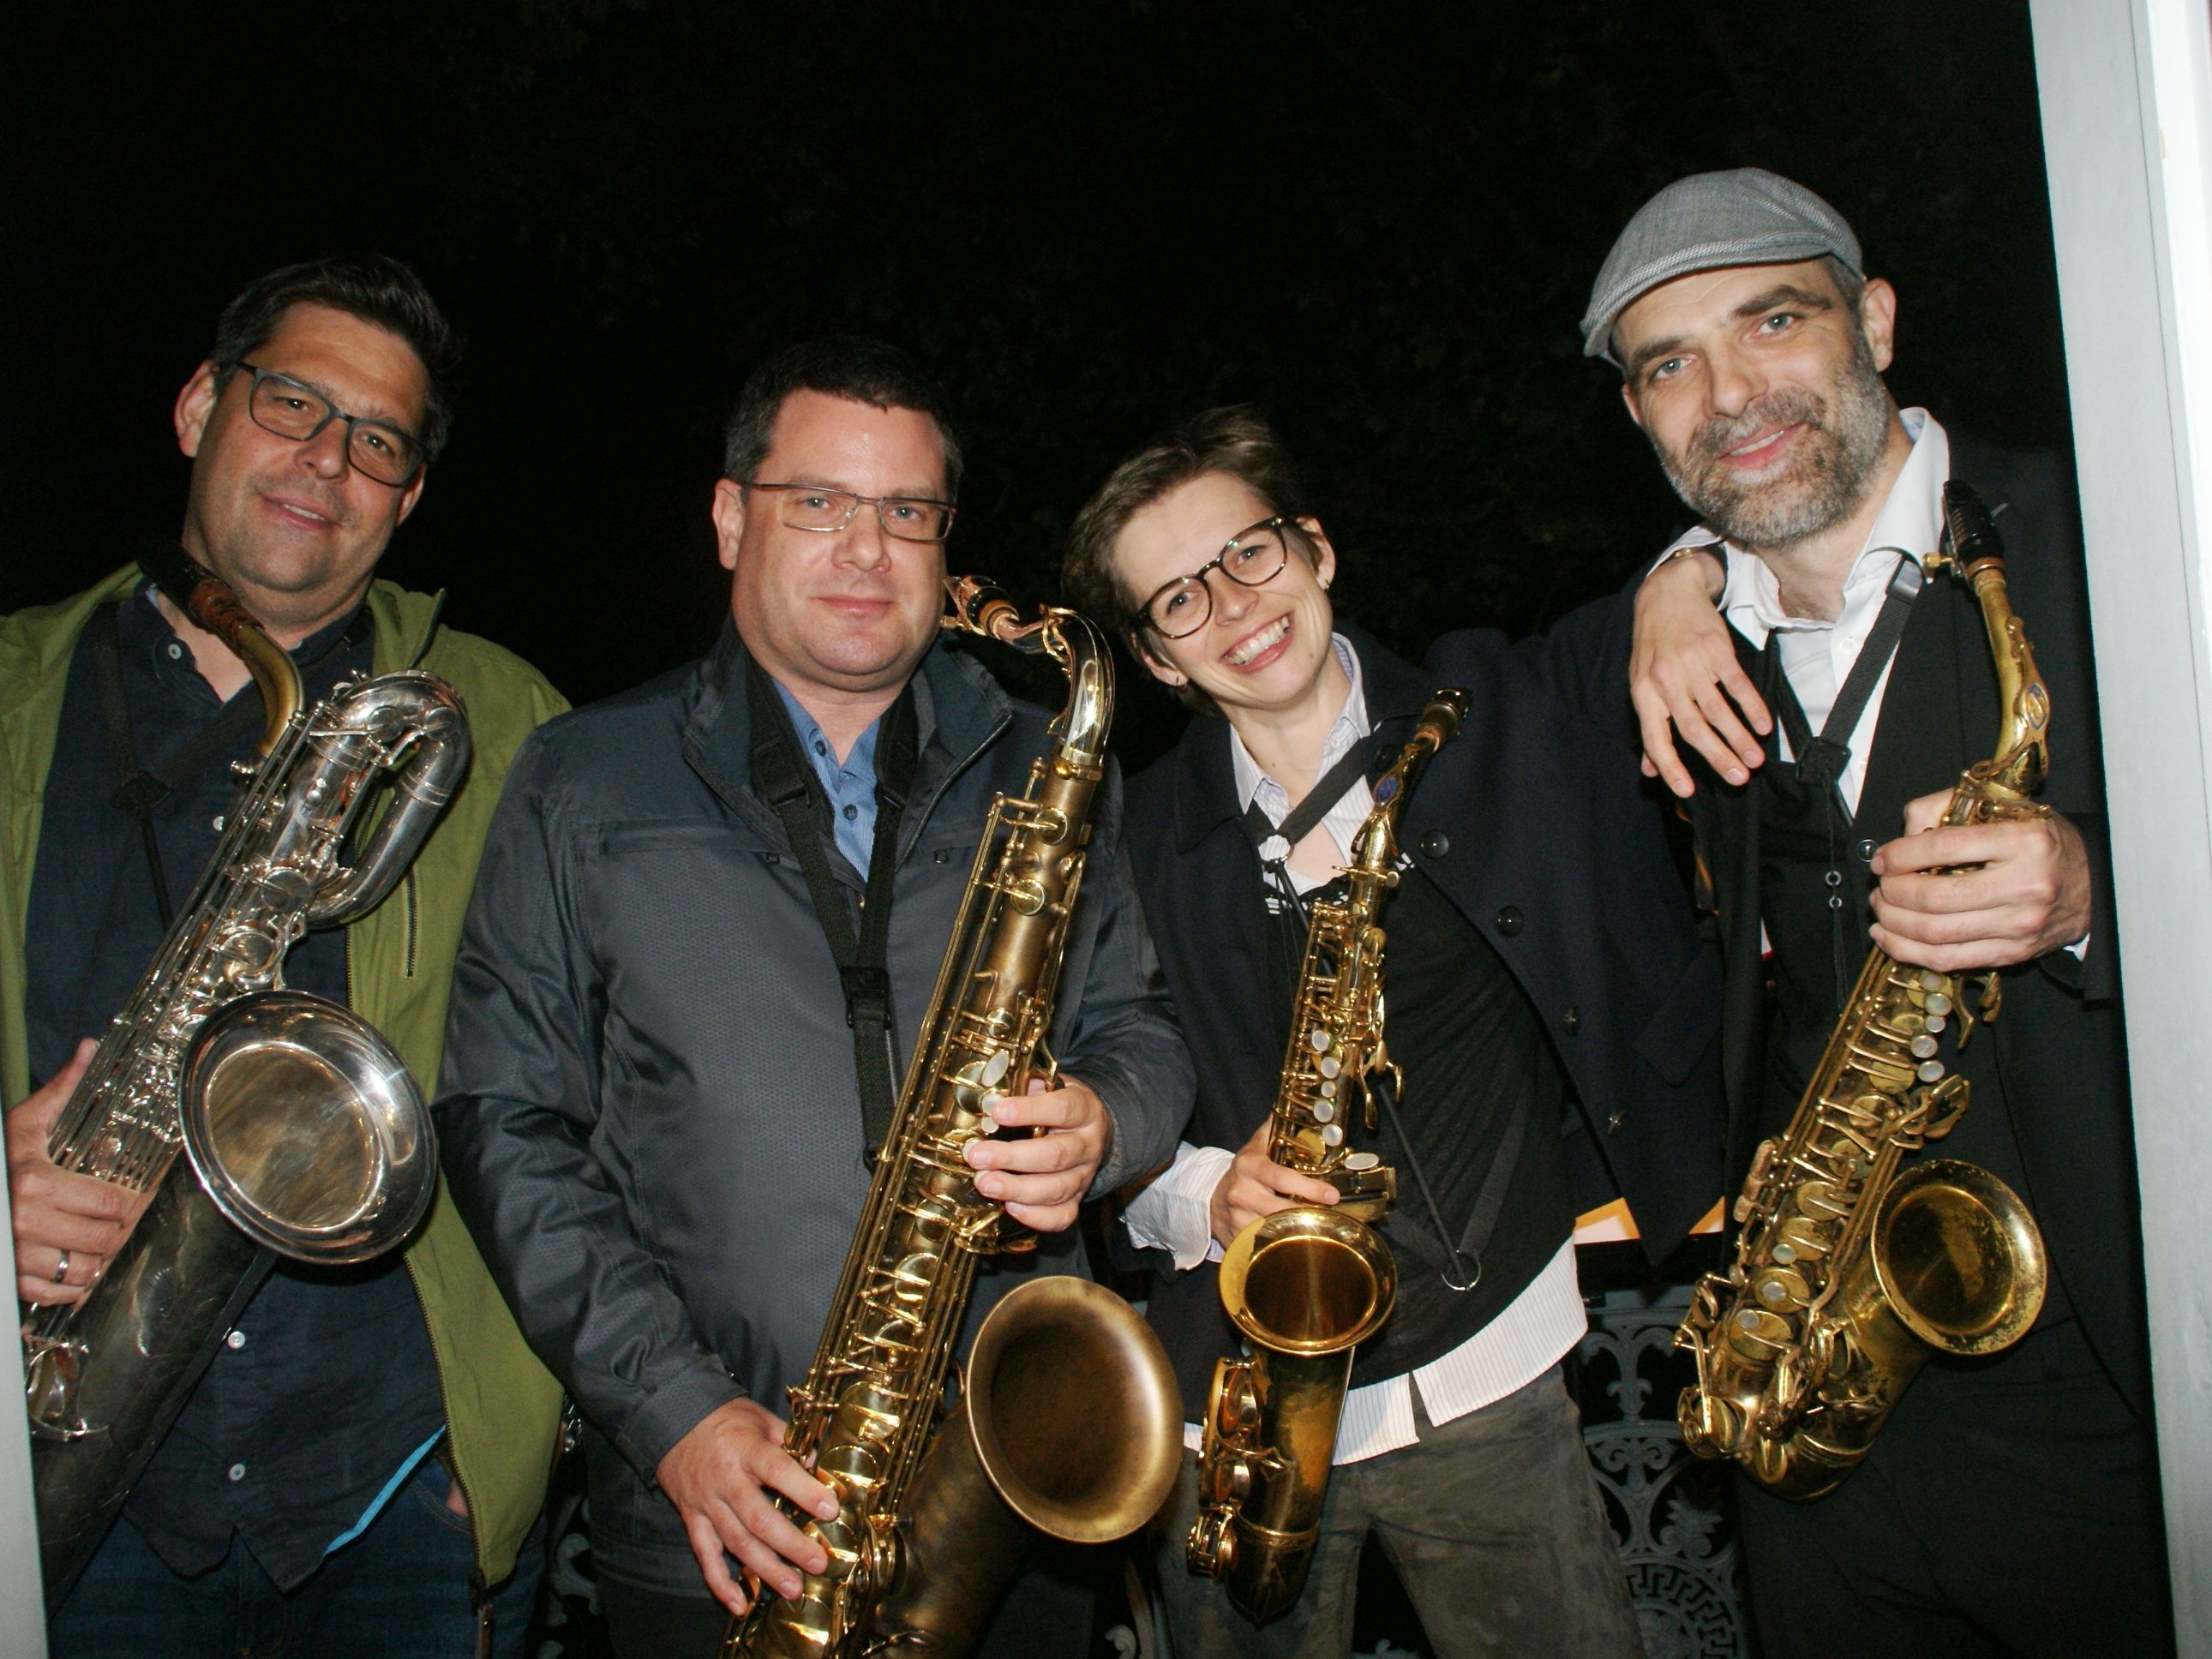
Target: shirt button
{"points": [[1866, 849], [1571, 1023], [1435, 843], [238, 1471], [820, 747], [216, 823], [851, 811], [235, 1340], [176, 651], [1612, 1124], [1509, 920]]}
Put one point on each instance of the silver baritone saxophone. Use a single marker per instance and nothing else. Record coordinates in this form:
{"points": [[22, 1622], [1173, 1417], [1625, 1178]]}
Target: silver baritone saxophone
{"points": [[302, 1132], [1307, 1285], [1852, 1267], [1068, 1419]]}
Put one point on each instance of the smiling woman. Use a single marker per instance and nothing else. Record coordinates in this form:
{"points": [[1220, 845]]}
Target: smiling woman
{"points": [[1200, 545]]}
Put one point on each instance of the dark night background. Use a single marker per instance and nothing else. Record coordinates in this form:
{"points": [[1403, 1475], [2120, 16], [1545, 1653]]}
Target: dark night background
{"points": [[1379, 223]]}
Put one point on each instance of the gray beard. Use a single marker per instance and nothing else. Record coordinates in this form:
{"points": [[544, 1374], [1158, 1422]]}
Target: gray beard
{"points": [[1827, 483]]}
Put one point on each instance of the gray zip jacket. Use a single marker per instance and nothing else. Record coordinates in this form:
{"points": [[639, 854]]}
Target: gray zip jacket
{"points": [[648, 1111]]}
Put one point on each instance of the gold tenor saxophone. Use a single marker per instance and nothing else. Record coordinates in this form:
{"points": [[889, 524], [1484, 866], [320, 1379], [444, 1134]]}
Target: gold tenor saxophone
{"points": [[1307, 1284], [1850, 1269], [303, 1133], [1068, 1419]]}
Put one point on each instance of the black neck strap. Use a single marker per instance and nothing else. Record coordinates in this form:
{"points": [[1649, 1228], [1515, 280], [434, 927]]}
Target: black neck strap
{"points": [[1821, 760], [787, 781], [138, 790], [1332, 786], [1276, 841]]}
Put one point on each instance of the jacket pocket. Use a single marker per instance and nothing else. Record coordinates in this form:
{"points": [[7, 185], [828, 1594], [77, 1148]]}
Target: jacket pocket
{"points": [[1687, 1021]]}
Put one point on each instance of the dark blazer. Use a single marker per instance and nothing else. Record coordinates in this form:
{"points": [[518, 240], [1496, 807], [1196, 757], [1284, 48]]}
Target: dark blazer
{"points": [[1533, 826], [2060, 1044]]}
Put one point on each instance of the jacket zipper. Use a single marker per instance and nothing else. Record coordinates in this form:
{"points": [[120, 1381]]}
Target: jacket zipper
{"points": [[414, 921]]}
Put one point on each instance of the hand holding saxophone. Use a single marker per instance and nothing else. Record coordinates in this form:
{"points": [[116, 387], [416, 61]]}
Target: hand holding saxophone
{"points": [[1041, 1177], [1255, 1185], [1959, 898], [68, 1227], [721, 1476]]}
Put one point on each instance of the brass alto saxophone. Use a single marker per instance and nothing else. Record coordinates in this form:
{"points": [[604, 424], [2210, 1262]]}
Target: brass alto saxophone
{"points": [[302, 1132], [1306, 1285], [1850, 1269], [1068, 1419]]}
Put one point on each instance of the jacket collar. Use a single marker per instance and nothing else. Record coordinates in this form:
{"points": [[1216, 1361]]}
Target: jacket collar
{"points": [[1205, 775], [959, 710]]}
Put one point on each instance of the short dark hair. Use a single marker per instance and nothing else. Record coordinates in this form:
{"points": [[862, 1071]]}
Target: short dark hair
{"points": [[1849, 283], [849, 365], [373, 287], [1236, 441]]}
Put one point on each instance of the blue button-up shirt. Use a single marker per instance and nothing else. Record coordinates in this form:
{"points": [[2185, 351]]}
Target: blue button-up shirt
{"points": [[850, 783], [327, 1385]]}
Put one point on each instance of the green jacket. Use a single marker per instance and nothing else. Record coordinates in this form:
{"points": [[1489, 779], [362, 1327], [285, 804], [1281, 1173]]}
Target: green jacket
{"points": [[502, 1407]]}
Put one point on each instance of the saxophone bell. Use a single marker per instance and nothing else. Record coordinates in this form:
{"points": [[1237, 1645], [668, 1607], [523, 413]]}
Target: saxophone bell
{"points": [[1014, 1457], [1306, 1285]]}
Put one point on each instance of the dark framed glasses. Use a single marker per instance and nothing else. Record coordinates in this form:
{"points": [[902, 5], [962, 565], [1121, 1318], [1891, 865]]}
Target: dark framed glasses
{"points": [[375, 449], [1253, 555]]}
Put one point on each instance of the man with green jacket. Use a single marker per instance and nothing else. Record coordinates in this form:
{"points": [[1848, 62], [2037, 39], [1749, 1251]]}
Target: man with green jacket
{"points": [[360, 1468]]}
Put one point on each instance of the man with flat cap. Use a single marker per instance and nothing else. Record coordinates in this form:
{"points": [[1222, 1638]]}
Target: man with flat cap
{"points": [[1831, 699]]}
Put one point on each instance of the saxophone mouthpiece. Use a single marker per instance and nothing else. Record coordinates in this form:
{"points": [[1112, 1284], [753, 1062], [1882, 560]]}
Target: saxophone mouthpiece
{"points": [[980, 605], [1445, 714], [208, 602], [1970, 531], [191, 587]]}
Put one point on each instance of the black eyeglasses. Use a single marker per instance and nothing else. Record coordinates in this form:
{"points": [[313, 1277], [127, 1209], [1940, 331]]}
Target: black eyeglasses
{"points": [[376, 450], [1252, 557], [817, 507]]}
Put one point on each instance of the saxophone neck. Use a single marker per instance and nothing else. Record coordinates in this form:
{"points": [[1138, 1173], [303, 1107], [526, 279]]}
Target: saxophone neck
{"points": [[1973, 550], [979, 606], [211, 606], [1376, 849]]}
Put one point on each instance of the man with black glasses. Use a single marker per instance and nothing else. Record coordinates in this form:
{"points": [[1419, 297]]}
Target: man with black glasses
{"points": [[662, 1051], [359, 1468]]}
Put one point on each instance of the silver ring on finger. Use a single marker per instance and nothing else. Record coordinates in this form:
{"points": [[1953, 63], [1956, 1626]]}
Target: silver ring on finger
{"points": [[61, 1269]]}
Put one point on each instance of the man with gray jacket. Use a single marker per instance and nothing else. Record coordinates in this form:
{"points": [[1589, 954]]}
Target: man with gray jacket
{"points": [[661, 1050]]}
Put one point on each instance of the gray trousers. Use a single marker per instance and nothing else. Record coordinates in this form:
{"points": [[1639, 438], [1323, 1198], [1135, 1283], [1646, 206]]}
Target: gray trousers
{"points": [[1492, 1522]]}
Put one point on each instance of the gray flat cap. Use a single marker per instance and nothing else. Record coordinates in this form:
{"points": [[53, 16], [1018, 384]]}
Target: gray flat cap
{"points": [[1708, 221]]}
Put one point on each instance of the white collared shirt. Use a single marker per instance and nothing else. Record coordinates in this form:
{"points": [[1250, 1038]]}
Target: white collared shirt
{"points": [[1174, 1212]]}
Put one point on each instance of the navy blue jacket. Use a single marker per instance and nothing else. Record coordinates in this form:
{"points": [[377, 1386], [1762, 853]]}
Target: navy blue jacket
{"points": [[1536, 826]]}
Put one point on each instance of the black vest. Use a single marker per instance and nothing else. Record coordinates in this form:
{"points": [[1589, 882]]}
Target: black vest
{"points": [[1479, 1077], [1802, 840]]}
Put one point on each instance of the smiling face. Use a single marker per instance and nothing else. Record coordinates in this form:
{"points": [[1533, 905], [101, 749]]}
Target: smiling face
{"points": [[292, 526], [1760, 388], [844, 614], [1263, 648]]}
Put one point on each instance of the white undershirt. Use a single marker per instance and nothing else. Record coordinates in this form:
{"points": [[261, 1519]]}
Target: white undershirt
{"points": [[1174, 1212]]}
